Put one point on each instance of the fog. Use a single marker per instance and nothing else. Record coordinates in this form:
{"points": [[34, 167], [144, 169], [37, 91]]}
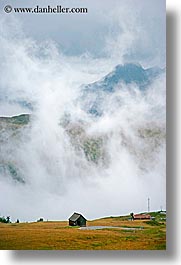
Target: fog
{"points": [[59, 179]]}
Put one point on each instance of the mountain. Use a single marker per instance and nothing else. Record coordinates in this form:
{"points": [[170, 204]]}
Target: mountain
{"points": [[21, 119], [127, 73], [10, 133], [142, 141], [93, 94]]}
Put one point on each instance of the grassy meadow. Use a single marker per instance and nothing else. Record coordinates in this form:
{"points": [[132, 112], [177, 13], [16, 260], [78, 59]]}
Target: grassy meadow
{"points": [[57, 235]]}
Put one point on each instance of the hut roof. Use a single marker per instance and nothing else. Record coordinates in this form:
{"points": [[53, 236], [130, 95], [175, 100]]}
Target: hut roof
{"points": [[75, 217]]}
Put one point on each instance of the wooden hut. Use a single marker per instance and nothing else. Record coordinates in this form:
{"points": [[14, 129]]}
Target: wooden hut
{"points": [[77, 219]]}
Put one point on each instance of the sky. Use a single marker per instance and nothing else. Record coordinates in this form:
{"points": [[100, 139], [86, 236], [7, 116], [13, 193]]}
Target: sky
{"points": [[133, 29]]}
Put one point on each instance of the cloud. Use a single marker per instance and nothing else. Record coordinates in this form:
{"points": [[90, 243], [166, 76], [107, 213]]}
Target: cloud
{"points": [[129, 30], [59, 177]]}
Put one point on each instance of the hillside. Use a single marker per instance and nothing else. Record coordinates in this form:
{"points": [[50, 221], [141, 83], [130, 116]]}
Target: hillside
{"points": [[10, 132], [148, 235], [152, 137]]}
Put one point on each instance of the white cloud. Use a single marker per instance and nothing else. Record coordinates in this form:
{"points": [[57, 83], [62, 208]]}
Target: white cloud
{"points": [[60, 180]]}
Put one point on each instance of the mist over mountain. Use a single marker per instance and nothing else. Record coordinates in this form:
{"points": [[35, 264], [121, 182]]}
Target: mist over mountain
{"points": [[127, 73], [81, 129], [94, 95], [112, 131]]}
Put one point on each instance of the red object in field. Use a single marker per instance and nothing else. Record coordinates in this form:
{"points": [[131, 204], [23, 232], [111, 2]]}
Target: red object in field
{"points": [[142, 217]]}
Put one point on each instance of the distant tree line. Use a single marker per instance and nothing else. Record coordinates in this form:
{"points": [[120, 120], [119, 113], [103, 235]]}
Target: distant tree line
{"points": [[5, 219]]}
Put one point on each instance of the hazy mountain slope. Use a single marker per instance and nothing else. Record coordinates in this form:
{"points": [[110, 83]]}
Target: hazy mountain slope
{"points": [[94, 95], [10, 136]]}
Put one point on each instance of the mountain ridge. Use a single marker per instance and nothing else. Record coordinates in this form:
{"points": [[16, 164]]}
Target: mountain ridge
{"points": [[127, 73], [94, 95]]}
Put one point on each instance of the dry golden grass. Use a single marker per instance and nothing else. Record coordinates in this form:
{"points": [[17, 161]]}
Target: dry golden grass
{"points": [[59, 236]]}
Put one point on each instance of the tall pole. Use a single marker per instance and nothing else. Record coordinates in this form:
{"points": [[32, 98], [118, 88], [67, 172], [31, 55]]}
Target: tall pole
{"points": [[148, 205]]}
